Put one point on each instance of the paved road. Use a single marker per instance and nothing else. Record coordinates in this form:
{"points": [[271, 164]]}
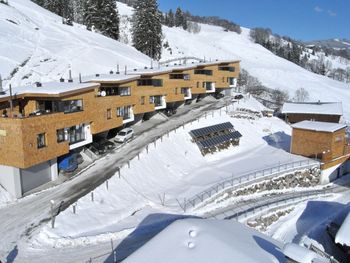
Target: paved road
{"points": [[19, 220]]}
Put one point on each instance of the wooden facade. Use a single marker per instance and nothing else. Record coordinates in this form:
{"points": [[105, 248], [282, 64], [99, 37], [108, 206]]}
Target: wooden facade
{"points": [[298, 117], [331, 147], [19, 129]]}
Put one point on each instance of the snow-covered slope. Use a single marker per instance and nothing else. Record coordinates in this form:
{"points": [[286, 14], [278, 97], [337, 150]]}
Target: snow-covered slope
{"points": [[36, 44], [273, 71]]}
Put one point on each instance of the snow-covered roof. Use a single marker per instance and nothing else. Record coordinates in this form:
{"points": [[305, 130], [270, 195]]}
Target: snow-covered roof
{"points": [[112, 77], [207, 241], [343, 235], [49, 88], [319, 126], [324, 108], [180, 67]]}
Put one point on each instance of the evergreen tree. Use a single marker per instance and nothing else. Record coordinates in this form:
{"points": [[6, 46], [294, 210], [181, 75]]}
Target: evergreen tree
{"points": [[102, 16], [179, 17], [171, 18], [147, 28], [110, 19]]}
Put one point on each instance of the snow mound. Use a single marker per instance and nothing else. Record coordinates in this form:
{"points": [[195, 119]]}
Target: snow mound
{"points": [[36, 46]]}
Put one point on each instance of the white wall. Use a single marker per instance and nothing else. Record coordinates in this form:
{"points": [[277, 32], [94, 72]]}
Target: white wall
{"points": [[10, 179]]}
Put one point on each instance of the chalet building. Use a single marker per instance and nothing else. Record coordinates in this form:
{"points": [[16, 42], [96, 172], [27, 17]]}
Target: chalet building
{"points": [[325, 141], [316, 111], [44, 122]]}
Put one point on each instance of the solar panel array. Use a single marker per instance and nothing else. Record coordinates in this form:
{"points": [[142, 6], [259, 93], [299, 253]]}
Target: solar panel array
{"points": [[215, 141], [211, 129]]}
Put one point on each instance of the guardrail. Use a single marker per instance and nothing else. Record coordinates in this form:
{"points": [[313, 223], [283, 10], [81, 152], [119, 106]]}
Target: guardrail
{"points": [[244, 211], [251, 177]]}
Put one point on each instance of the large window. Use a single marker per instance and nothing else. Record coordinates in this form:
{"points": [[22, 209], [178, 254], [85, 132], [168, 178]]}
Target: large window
{"points": [[207, 85], [49, 106], [156, 100], [231, 81], [124, 91], [41, 140], [180, 76], [150, 82], [124, 112], [72, 134], [227, 68], [203, 72], [114, 91]]}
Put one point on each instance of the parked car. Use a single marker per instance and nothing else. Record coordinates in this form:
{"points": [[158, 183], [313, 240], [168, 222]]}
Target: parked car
{"points": [[68, 163], [97, 148], [239, 97], [218, 95], [124, 135]]}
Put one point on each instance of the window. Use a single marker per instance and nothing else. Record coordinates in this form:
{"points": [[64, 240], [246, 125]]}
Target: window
{"points": [[124, 112], [231, 81], [150, 82], [180, 76], [142, 100], [109, 114], [61, 135], [41, 140], [203, 72], [227, 68], [72, 134], [70, 106], [124, 91], [197, 84]]}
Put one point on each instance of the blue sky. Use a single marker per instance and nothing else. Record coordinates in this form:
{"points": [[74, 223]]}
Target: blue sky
{"points": [[299, 19]]}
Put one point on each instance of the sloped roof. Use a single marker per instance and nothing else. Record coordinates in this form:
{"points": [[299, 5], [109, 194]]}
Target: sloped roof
{"points": [[319, 126], [323, 108]]}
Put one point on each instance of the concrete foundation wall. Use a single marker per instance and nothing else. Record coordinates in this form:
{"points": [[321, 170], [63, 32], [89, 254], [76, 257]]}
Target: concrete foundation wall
{"points": [[10, 179]]}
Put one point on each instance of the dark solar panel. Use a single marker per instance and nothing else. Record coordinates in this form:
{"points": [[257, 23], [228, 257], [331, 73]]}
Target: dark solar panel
{"points": [[211, 129], [215, 141]]}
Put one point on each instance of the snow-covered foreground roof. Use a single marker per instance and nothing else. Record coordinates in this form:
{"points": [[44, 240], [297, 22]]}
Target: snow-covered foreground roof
{"points": [[324, 108], [319, 126], [208, 241], [343, 235]]}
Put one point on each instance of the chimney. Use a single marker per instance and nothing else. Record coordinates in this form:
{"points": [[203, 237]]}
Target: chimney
{"points": [[111, 72], [70, 76], [61, 79], [118, 69], [80, 78]]}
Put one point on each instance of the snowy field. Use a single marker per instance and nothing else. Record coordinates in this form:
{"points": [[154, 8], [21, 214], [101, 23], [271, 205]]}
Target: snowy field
{"points": [[173, 169]]}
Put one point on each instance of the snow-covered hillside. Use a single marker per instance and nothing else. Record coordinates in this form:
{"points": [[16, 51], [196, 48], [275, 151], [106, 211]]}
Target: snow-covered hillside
{"points": [[41, 48], [273, 71], [36, 46]]}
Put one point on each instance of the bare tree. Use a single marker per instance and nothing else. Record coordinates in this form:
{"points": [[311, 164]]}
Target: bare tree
{"points": [[301, 95]]}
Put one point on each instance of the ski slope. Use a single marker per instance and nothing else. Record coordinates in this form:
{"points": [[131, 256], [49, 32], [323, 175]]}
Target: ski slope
{"points": [[35, 43]]}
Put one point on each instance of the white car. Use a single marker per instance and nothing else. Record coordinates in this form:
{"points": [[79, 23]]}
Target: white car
{"points": [[124, 135]]}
